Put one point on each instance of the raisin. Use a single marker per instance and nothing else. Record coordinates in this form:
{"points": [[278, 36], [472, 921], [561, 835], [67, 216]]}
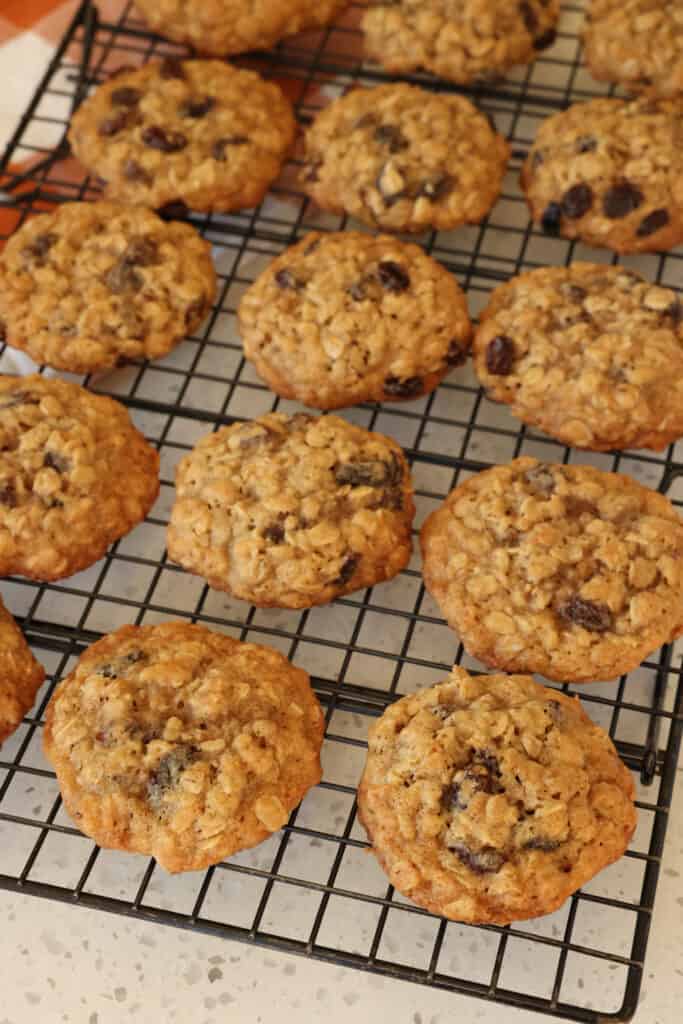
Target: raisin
{"points": [[8, 494], [528, 16], [126, 97], [456, 355], [133, 171], [591, 615], [545, 40], [347, 570], [622, 199], [113, 669], [540, 479], [654, 221], [437, 188], [576, 507], [220, 146], [554, 709], [403, 387], [143, 252], [287, 280], [159, 138], [175, 210], [482, 862], [171, 67], [675, 311], [450, 798], [371, 473], [573, 292], [357, 291], [577, 201], [195, 312], [59, 463], [274, 533], [390, 135], [123, 277], [3, 330], [310, 170], [14, 398], [114, 125], [586, 144], [393, 277], [198, 108], [168, 773], [500, 355], [542, 843], [551, 219], [39, 248]]}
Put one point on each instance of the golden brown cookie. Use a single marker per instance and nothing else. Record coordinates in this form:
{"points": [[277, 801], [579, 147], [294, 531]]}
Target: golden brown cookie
{"points": [[466, 41], [637, 44], [199, 132], [403, 159], [94, 284], [610, 172], [591, 354], [492, 799], [567, 571], [344, 318], [292, 511], [224, 27], [21, 676], [183, 744], [75, 475]]}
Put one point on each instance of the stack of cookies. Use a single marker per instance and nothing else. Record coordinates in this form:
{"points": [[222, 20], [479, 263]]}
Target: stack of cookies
{"points": [[488, 798]]}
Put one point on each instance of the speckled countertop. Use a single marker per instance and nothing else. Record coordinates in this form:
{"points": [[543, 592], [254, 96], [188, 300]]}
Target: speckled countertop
{"points": [[84, 967]]}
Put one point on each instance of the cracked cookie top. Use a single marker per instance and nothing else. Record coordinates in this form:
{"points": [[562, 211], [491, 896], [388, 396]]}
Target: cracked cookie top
{"points": [[592, 354], [223, 27], [75, 475], [610, 172], [401, 158], [183, 744], [568, 571], [93, 284], [198, 132], [461, 40], [491, 799], [292, 511], [637, 44], [21, 675], [345, 318]]}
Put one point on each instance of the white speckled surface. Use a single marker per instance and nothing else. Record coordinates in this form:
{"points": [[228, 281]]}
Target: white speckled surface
{"points": [[83, 967]]}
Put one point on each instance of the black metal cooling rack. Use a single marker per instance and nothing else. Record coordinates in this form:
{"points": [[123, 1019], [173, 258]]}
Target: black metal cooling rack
{"points": [[311, 890]]}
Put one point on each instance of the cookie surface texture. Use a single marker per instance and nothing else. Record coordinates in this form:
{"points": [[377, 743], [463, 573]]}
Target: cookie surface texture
{"points": [[610, 172], [637, 44], [345, 318], [21, 676], [183, 744], [492, 799], [223, 27], [198, 132], [75, 475], [95, 284], [591, 354], [403, 159], [567, 571], [461, 40], [292, 511]]}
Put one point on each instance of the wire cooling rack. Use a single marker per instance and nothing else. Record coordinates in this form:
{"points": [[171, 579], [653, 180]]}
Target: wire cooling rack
{"points": [[312, 889]]}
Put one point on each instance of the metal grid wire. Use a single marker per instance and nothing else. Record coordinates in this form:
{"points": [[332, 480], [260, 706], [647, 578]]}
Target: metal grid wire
{"points": [[311, 889]]}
